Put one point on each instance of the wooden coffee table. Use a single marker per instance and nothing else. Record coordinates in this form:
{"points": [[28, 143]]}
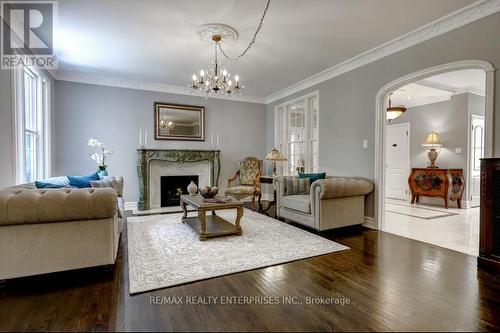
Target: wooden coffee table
{"points": [[212, 225]]}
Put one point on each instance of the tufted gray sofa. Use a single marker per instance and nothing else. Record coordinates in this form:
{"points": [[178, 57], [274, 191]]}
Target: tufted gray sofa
{"points": [[51, 230], [331, 203]]}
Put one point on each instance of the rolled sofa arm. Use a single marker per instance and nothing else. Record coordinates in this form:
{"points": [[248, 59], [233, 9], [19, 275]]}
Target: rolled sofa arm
{"points": [[341, 187], [23, 206]]}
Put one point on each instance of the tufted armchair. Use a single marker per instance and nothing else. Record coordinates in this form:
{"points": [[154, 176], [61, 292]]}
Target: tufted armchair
{"points": [[248, 180], [331, 203]]}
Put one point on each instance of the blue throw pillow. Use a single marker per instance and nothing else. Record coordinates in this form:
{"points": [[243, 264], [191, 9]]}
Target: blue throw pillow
{"points": [[56, 182], [313, 176], [83, 181]]}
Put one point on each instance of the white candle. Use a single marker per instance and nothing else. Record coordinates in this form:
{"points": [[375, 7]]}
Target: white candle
{"points": [[217, 139], [145, 138], [140, 137]]}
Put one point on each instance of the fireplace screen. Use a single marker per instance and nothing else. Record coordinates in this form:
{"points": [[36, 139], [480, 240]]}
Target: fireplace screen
{"points": [[172, 187]]}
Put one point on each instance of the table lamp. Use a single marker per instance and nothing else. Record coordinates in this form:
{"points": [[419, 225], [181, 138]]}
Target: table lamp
{"points": [[275, 156], [432, 141]]}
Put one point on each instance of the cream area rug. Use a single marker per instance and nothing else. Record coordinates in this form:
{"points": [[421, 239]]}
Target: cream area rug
{"points": [[165, 252]]}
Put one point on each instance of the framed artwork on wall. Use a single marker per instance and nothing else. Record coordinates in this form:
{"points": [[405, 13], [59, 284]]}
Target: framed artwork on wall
{"points": [[179, 122]]}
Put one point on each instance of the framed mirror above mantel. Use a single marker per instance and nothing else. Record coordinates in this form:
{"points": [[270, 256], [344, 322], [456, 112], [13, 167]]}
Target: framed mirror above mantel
{"points": [[179, 122]]}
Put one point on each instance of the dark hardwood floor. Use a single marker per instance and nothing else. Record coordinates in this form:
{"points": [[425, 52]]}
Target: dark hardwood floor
{"points": [[392, 283]]}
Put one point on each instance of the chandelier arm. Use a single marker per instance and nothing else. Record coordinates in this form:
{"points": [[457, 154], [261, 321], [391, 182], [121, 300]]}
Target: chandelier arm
{"points": [[253, 39]]}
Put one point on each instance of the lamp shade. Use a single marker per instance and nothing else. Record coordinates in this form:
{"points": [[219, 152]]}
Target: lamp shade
{"points": [[432, 140], [275, 155]]}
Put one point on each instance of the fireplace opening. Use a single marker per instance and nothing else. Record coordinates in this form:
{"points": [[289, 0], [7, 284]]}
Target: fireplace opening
{"points": [[172, 187]]}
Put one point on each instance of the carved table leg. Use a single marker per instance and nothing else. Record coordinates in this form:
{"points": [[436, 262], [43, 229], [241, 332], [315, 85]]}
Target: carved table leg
{"points": [[459, 202], [239, 215], [413, 196], [203, 224]]}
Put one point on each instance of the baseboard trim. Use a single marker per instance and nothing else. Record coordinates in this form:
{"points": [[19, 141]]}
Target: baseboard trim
{"points": [[130, 205], [370, 223]]}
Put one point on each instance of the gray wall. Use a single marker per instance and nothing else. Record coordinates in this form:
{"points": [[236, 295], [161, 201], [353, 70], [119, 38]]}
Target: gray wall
{"points": [[451, 120], [347, 102], [115, 115]]}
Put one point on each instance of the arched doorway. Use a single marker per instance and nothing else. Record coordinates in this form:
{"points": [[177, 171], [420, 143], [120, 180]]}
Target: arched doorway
{"points": [[381, 123]]}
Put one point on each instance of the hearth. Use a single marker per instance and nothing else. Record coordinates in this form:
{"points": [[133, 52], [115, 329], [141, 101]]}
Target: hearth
{"points": [[173, 186]]}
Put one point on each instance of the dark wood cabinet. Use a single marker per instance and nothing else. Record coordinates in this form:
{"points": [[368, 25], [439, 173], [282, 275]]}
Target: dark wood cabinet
{"points": [[489, 240]]}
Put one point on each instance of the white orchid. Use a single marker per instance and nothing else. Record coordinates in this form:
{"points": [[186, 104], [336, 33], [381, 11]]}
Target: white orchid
{"points": [[99, 157]]}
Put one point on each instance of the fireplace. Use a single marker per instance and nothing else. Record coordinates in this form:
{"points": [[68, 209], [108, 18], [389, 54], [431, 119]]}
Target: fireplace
{"points": [[152, 164], [172, 187]]}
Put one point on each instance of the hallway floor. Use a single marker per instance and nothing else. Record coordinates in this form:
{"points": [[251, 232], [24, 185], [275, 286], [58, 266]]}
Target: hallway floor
{"points": [[454, 229]]}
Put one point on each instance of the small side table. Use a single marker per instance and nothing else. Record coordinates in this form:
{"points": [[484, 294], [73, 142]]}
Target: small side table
{"points": [[266, 180]]}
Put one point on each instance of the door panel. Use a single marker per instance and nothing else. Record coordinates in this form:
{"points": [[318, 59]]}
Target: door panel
{"points": [[397, 157], [476, 152]]}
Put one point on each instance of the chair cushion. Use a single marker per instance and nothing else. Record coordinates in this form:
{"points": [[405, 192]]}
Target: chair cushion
{"points": [[82, 181], [240, 191], [313, 176], [55, 182], [111, 183], [117, 183], [295, 185], [249, 171], [300, 202]]}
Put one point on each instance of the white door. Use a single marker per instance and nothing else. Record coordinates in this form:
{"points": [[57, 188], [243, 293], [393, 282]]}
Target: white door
{"points": [[397, 161], [476, 152]]}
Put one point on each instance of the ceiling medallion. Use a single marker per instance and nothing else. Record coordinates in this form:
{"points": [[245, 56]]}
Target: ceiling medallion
{"points": [[216, 79], [228, 34]]}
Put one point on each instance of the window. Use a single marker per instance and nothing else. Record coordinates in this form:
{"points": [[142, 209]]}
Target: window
{"points": [[31, 125], [297, 134]]}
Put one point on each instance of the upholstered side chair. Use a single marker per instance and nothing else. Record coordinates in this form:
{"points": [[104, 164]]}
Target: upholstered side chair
{"points": [[248, 183]]}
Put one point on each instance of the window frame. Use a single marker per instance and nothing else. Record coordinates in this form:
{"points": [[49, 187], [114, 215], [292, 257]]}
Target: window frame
{"points": [[42, 105], [282, 130]]}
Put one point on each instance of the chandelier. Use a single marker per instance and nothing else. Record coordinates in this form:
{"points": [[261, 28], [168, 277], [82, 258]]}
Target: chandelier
{"points": [[216, 80]]}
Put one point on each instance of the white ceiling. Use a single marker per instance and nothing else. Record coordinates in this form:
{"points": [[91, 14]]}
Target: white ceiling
{"points": [[156, 40], [440, 87]]}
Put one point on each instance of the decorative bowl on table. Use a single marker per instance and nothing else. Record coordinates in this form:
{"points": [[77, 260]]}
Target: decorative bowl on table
{"points": [[209, 192]]}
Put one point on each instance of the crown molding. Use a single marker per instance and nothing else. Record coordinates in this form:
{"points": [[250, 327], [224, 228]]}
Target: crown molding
{"points": [[141, 85], [452, 21], [450, 89]]}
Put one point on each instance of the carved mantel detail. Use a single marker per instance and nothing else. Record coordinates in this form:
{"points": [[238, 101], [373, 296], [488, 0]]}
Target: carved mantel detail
{"points": [[145, 156]]}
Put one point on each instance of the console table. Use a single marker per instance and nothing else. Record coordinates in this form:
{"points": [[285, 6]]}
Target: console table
{"points": [[443, 183]]}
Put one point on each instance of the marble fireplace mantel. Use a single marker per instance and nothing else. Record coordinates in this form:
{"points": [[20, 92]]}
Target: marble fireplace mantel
{"points": [[178, 156]]}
